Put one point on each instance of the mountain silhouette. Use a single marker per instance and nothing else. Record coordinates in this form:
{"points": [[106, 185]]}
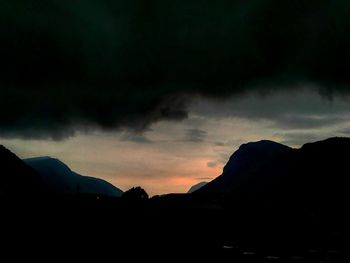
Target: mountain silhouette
{"points": [[245, 162], [270, 200], [196, 187], [311, 180], [17, 178], [62, 179]]}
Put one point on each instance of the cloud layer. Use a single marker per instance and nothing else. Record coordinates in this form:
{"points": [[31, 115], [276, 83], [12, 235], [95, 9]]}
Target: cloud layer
{"points": [[68, 65]]}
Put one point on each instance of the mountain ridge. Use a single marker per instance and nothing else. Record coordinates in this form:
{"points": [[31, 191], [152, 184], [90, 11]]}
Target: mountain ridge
{"points": [[17, 178], [247, 158], [62, 179], [311, 181], [195, 187]]}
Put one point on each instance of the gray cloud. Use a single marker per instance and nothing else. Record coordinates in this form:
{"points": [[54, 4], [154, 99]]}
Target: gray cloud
{"points": [[302, 109], [300, 138], [212, 164], [229, 143], [195, 135], [134, 137], [34, 133], [307, 122], [344, 131]]}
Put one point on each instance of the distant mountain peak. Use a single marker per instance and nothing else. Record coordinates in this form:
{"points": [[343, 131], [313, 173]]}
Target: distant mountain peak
{"points": [[47, 161], [63, 180]]}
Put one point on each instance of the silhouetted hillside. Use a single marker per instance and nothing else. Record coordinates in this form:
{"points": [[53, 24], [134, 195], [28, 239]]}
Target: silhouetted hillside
{"points": [[196, 187], [269, 180], [245, 162], [272, 204], [17, 178], [321, 173], [63, 180]]}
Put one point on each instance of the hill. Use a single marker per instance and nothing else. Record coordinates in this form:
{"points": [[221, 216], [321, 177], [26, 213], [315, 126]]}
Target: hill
{"points": [[62, 179], [249, 159], [17, 178], [196, 187]]}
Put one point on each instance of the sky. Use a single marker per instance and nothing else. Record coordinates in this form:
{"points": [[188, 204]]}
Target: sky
{"points": [[171, 156], [160, 93]]}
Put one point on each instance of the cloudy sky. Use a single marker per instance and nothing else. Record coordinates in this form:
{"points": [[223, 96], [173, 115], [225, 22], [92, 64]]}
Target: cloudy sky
{"points": [[160, 93]]}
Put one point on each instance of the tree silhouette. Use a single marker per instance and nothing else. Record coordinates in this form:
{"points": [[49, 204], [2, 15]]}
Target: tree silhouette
{"points": [[135, 194]]}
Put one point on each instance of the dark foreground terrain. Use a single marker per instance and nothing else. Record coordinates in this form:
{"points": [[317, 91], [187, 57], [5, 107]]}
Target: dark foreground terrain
{"points": [[271, 204], [174, 227]]}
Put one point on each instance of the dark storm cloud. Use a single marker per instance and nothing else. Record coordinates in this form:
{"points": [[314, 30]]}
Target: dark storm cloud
{"points": [[115, 64], [29, 132], [195, 135]]}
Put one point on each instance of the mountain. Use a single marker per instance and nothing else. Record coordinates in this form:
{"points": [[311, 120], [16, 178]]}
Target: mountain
{"points": [[247, 160], [17, 178], [196, 187], [312, 180], [63, 180]]}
